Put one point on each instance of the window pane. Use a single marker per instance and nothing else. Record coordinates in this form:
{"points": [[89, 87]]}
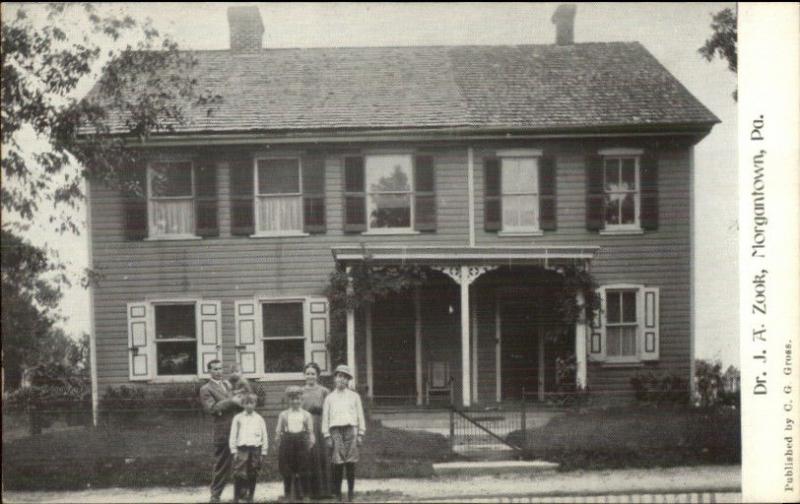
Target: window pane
{"points": [[520, 212], [280, 213], [611, 174], [612, 208], [170, 179], [613, 341], [278, 176], [171, 217], [629, 306], [176, 358], [628, 341], [519, 176], [628, 209], [175, 321], [612, 307], [390, 211], [282, 319], [284, 356], [629, 173], [388, 173]]}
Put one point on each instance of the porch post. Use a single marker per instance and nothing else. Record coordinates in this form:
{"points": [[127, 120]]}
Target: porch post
{"points": [[474, 318], [498, 357], [351, 333], [466, 380], [580, 347], [541, 377], [368, 329], [418, 345]]}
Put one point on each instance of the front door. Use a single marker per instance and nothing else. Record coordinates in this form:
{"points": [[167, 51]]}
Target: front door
{"points": [[519, 349], [393, 350]]}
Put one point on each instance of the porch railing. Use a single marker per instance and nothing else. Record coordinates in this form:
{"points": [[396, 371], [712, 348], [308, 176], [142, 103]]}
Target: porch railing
{"points": [[486, 430]]}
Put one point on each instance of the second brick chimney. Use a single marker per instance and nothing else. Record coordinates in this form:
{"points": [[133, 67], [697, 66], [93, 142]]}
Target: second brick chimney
{"points": [[246, 28], [564, 19]]}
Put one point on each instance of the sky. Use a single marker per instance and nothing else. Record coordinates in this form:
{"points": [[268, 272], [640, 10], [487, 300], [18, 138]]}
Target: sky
{"points": [[672, 32]]}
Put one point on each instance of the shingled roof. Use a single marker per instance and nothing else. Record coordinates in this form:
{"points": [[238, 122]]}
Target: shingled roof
{"points": [[536, 87]]}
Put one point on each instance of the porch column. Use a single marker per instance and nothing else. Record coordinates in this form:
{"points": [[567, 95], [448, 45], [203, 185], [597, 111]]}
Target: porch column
{"points": [[351, 333], [466, 380], [418, 345], [368, 329], [498, 357], [580, 347], [474, 318]]}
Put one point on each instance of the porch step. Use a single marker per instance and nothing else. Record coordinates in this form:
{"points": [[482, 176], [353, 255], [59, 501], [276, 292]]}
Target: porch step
{"points": [[491, 467]]}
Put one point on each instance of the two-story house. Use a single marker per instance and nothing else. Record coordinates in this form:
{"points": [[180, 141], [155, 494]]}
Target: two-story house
{"points": [[488, 165]]}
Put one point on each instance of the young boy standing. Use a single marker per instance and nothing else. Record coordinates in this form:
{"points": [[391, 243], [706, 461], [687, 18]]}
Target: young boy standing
{"points": [[343, 427], [248, 443], [295, 437]]}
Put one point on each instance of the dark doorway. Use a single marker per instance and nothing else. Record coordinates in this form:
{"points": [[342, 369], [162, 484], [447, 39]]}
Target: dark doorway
{"points": [[393, 349], [519, 348]]}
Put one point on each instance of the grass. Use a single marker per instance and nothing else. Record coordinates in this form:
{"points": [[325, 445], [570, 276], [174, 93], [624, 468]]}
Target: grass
{"points": [[637, 437], [169, 451]]}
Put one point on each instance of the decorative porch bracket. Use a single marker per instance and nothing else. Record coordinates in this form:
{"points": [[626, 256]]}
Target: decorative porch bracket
{"points": [[473, 272]]}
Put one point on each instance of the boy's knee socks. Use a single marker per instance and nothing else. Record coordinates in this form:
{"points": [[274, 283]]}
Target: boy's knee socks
{"points": [[351, 477], [337, 478]]}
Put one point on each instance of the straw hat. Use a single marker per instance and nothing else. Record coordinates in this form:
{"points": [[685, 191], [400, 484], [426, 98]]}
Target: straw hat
{"points": [[343, 369]]}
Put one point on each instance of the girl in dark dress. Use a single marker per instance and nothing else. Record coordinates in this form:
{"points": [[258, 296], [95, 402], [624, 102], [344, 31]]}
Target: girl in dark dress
{"points": [[319, 464]]}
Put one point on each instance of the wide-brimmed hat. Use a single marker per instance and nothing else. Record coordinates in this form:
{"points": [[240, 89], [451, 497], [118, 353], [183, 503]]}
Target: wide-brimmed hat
{"points": [[345, 370]]}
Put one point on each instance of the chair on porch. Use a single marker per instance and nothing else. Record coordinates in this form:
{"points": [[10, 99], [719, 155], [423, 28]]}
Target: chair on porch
{"points": [[438, 381]]}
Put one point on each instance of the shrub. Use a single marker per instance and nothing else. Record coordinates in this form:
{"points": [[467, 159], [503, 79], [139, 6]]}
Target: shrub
{"points": [[658, 388], [715, 388]]}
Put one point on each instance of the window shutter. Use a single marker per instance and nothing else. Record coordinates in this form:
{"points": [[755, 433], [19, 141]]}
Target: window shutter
{"points": [[209, 315], [595, 199], [318, 327], [140, 342], [424, 194], [135, 203], [205, 181], [242, 195], [650, 323], [547, 193], [355, 201], [248, 338], [596, 344], [492, 203], [314, 194], [649, 191]]}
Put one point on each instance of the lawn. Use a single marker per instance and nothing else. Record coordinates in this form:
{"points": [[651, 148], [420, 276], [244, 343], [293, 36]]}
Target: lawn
{"points": [[176, 451], [637, 437]]}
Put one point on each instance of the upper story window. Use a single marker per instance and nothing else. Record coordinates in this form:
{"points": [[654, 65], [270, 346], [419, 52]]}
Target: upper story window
{"points": [[279, 197], [519, 192], [389, 192], [621, 190], [171, 199]]}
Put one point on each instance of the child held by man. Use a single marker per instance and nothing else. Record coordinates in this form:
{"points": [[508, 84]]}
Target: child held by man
{"points": [[295, 437], [248, 443], [343, 427]]}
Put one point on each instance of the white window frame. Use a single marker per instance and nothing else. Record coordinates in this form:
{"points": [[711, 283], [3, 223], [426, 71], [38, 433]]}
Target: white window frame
{"points": [[257, 196], [151, 199], [620, 155], [536, 155], [172, 302], [260, 302], [639, 300], [411, 192]]}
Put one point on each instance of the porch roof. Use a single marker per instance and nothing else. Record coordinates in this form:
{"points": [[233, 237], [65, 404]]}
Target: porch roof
{"points": [[496, 255]]}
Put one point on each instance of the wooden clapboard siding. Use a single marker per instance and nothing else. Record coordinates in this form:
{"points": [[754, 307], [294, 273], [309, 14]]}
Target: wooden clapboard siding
{"points": [[228, 268]]}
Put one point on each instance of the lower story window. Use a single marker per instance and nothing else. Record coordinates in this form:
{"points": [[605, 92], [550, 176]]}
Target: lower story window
{"points": [[176, 339], [283, 337], [621, 325]]}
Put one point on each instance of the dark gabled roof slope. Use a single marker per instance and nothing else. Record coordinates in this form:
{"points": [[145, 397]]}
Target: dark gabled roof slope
{"points": [[540, 87]]}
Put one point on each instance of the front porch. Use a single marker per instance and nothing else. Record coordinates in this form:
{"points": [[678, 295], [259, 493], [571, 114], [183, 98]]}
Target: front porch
{"points": [[482, 329]]}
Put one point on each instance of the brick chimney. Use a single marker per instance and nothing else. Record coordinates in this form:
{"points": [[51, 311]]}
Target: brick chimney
{"points": [[564, 19], [246, 28]]}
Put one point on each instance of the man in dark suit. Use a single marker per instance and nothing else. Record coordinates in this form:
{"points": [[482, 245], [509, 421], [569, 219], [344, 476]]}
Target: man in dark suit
{"points": [[219, 401]]}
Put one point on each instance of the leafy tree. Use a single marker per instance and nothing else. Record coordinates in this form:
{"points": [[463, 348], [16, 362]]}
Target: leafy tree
{"points": [[52, 138], [722, 42]]}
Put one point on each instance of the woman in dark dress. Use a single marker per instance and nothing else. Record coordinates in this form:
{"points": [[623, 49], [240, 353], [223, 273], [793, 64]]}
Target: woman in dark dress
{"points": [[319, 477]]}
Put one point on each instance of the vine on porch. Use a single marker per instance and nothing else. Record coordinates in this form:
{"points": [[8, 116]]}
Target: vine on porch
{"points": [[369, 283]]}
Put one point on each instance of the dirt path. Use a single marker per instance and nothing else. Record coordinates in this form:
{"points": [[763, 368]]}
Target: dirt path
{"points": [[526, 488]]}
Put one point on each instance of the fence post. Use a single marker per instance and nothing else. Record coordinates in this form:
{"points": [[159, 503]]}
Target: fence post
{"points": [[452, 428], [524, 424]]}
